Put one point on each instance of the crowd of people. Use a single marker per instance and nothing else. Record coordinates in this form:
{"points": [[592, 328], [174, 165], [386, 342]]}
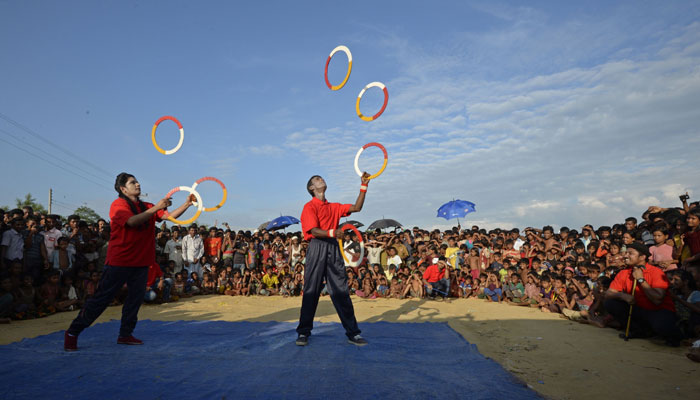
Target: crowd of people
{"points": [[592, 275]]}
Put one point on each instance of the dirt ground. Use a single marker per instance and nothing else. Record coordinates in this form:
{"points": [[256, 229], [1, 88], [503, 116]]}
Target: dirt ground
{"points": [[559, 359]]}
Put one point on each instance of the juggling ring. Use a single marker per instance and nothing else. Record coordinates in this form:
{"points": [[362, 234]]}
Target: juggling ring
{"points": [[199, 205], [362, 245], [153, 135], [223, 187], [357, 158], [362, 93], [328, 61]]}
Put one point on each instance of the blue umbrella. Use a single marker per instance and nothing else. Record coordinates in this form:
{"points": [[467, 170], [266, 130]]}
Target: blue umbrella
{"points": [[281, 222], [456, 209]]}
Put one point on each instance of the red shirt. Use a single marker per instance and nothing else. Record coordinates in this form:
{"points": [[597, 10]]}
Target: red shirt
{"points": [[265, 254], [131, 246], [433, 273], [322, 215], [213, 245], [692, 239], [655, 277], [154, 272]]}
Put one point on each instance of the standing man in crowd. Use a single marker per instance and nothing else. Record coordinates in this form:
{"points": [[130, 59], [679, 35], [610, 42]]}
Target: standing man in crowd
{"points": [[192, 251], [132, 249], [12, 244], [51, 235], [173, 248], [319, 223], [653, 309]]}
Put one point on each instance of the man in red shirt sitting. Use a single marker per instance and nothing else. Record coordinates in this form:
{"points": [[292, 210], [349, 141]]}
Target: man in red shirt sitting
{"points": [[653, 307], [436, 279]]}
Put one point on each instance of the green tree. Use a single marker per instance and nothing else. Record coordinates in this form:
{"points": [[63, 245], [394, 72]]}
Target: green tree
{"points": [[87, 214], [31, 202]]}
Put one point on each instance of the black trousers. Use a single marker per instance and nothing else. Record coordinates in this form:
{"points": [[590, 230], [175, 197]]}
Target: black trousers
{"points": [[661, 322], [113, 279], [323, 260]]}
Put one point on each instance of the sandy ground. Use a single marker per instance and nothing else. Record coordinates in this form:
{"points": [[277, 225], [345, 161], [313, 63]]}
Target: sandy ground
{"points": [[558, 358]]}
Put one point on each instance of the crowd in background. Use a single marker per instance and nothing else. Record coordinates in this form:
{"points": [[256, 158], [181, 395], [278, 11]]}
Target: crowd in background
{"points": [[50, 264]]}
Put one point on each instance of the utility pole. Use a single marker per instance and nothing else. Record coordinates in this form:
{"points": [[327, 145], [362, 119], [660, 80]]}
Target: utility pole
{"points": [[50, 199]]}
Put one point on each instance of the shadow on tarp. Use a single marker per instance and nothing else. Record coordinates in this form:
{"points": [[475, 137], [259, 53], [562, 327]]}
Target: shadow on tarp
{"points": [[218, 359]]}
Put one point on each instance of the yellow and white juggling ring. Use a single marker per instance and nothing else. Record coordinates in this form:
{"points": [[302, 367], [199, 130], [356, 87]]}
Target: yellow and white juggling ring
{"points": [[357, 262], [357, 159], [362, 93], [328, 61], [153, 135], [199, 205], [223, 187]]}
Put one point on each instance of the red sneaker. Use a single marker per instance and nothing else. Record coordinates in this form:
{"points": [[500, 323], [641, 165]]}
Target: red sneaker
{"points": [[128, 340], [70, 342]]}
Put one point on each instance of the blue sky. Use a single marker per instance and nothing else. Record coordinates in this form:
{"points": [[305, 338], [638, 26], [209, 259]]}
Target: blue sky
{"points": [[540, 113]]}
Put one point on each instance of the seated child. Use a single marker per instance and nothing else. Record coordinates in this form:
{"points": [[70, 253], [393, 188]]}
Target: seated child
{"points": [[221, 281], [25, 299], [396, 288], [382, 287], [286, 286], [69, 296], [90, 285], [514, 290], [179, 285], [470, 287], [192, 284], [578, 307], [353, 283], [368, 289], [208, 285], [493, 289], [414, 286], [228, 288]]}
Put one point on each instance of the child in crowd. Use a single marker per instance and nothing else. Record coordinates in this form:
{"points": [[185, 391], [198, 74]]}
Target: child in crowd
{"points": [[414, 287], [353, 283], [661, 252], [286, 286], [368, 289], [192, 284], [25, 298], [208, 285], [61, 259], [179, 285], [69, 296], [396, 288], [514, 290], [383, 287], [493, 289]]}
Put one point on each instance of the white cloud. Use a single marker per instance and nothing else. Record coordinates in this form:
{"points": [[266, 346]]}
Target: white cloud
{"points": [[535, 206], [590, 201], [266, 150]]}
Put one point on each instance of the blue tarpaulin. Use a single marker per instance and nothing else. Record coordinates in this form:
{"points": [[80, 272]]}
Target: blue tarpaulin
{"points": [[243, 360]]}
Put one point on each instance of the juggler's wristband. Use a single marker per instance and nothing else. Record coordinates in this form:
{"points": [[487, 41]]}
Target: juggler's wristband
{"points": [[331, 233], [363, 188]]}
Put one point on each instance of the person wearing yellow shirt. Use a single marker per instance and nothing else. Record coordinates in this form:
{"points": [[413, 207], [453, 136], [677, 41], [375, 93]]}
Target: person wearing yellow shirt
{"points": [[271, 282], [451, 252]]}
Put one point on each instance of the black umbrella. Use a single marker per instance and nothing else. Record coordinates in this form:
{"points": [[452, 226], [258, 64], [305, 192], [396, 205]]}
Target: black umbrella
{"points": [[385, 223], [354, 223], [263, 226]]}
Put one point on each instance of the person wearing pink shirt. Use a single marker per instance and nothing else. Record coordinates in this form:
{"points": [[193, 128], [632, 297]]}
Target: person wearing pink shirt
{"points": [[661, 251]]}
